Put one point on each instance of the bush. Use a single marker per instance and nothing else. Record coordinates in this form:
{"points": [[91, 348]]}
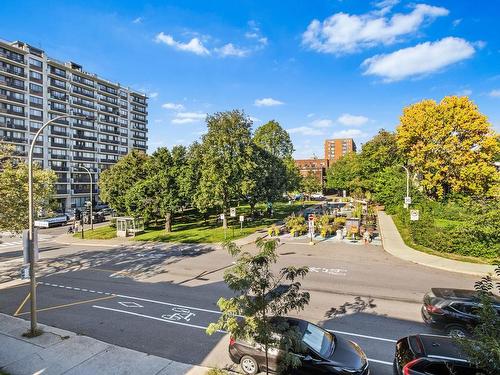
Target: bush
{"points": [[273, 230], [216, 371], [340, 221], [296, 224]]}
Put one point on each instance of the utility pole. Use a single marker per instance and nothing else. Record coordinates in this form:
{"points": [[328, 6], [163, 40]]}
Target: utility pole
{"points": [[407, 183], [91, 196]]}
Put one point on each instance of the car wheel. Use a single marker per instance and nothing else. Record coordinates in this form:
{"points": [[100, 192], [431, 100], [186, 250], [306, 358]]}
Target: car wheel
{"points": [[249, 365], [457, 331]]}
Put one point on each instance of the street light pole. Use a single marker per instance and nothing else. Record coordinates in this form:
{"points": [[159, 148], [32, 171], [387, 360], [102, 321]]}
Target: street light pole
{"points": [[31, 229], [407, 181], [91, 197]]}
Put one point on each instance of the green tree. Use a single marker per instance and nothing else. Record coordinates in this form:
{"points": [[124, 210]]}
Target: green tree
{"points": [[274, 139], [293, 177], [310, 184], [451, 146], [483, 349], [345, 173], [227, 161], [260, 296], [14, 190], [378, 153], [122, 176], [142, 200]]}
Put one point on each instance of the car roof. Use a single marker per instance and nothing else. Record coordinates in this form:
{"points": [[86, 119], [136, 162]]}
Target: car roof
{"points": [[443, 347], [463, 295]]}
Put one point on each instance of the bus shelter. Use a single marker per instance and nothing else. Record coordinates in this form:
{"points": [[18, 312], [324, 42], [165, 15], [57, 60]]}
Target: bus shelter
{"points": [[129, 226]]}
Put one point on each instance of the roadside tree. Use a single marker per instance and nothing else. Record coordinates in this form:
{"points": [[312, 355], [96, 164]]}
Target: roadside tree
{"points": [[274, 139], [115, 182], [14, 190], [451, 146], [260, 296], [227, 162], [345, 173], [483, 348], [310, 184]]}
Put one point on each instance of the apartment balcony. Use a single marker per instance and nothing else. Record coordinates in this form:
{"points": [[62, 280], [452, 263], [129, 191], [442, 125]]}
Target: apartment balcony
{"points": [[12, 57], [63, 179], [8, 124], [138, 145], [12, 112], [82, 103], [82, 179], [58, 109], [140, 136], [59, 73], [83, 158], [38, 155], [112, 111], [81, 81], [62, 121], [79, 91], [62, 98], [135, 99], [106, 140], [109, 151], [61, 168], [81, 124], [59, 145], [84, 148], [59, 85], [13, 84], [105, 99], [58, 156], [12, 98], [142, 111], [84, 190], [108, 90], [63, 133], [110, 131], [85, 137], [108, 160], [62, 190], [13, 71], [108, 120], [10, 138]]}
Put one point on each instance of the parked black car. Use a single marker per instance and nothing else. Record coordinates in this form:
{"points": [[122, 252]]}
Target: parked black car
{"points": [[453, 311], [431, 355], [322, 353]]}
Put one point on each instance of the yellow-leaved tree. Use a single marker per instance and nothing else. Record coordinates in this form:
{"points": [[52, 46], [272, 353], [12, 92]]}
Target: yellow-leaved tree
{"points": [[451, 146]]}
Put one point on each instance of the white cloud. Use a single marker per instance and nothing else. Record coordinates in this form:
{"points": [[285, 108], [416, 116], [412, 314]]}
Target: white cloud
{"points": [[194, 45], [349, 133], [322, 123], [457, 22], [464, 92], [346, 33], [494, 93], [253, 119], [424, 58], [267, 102], [188, 117], [138, 20], [305, 130], [174, 106], [352, 120], [230, 49], [153, 95]]}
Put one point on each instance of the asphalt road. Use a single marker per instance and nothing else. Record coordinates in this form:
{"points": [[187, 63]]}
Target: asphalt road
{"points": [[160, 299]]}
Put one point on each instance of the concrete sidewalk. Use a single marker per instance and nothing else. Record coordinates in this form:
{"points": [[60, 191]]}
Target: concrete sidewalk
{"points": [[62, 352], [394, 245]]}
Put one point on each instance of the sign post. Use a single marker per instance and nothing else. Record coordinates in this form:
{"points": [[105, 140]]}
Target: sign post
{"points": [[414, 215], [407, 202], [310, 219], [222, 217], [242, 219]]}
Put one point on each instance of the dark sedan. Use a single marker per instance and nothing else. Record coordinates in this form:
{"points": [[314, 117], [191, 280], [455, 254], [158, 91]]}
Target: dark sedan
{"points": [[322, 352]]}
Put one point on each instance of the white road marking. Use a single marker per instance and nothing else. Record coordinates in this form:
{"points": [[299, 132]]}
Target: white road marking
{"points": [[154, 318], [364, 336], [198, 309], [129, 304]]}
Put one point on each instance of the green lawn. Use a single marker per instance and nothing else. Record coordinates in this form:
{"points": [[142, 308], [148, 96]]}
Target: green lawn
{"points": [[191, 227], [101, 233]]}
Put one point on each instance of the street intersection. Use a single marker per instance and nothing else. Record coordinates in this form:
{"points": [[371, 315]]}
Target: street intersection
{"points": [[159, 298]]}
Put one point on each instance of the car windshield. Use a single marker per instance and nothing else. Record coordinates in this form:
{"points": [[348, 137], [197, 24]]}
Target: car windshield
{"points": [[319, 340]]}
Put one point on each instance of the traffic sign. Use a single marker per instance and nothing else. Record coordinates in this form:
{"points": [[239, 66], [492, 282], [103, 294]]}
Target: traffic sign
{"points": [[408, 200], [310, 217], [222, 216], [25, 272], [232, 211], [242, 218], [414, 215]]}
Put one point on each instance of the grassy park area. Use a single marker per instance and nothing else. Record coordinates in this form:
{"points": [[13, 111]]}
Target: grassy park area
{"points": [[191, 227]]}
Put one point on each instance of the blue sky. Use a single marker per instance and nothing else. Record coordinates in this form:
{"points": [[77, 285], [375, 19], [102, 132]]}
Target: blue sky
{"points": [[321, 68]]}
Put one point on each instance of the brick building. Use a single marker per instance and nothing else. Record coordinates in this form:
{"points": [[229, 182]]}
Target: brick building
{"points": [[316, 166], [336, 148]]}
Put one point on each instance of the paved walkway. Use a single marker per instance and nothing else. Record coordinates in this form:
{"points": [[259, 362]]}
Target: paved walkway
{"points": [[62, 352], [394, 245]]}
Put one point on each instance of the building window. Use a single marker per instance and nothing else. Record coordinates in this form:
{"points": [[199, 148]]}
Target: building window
{"points": [[35, 112], [35, 125], [36, 88], [36, 100], [35, 75], [35, 62]]}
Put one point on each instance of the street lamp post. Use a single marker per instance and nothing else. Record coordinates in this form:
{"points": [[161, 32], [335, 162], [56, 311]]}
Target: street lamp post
{"points": [[407, 181], [91, 197], [31, 230]]}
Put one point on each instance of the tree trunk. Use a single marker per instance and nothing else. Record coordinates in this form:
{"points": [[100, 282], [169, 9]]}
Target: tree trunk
{"points": [[168, 222], [252, 209], [224, 222]]}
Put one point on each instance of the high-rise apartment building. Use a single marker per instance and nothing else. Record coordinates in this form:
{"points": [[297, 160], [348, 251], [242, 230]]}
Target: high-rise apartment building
{"points": [[35, 88], [336, 148]]}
